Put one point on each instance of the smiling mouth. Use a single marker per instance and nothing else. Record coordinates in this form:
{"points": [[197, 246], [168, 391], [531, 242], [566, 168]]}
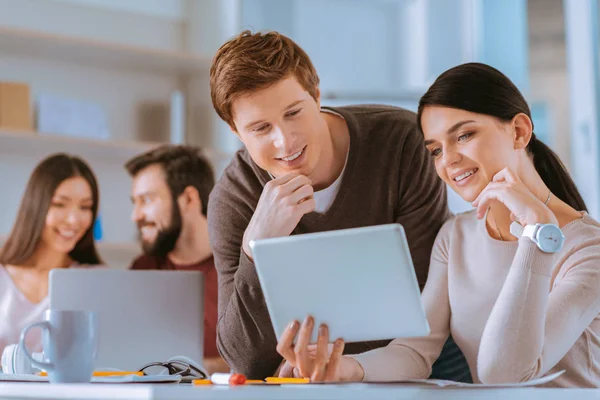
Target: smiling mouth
{"points": [[465, 175], [67, 235], [147, 228], [293, 156]]}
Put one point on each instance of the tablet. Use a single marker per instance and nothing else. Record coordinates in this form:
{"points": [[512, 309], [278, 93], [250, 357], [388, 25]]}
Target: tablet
{"points": [[360, 281]]}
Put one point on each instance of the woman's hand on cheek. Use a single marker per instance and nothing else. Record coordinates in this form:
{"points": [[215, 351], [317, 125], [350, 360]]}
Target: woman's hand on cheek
{"points": [[507, 188], [320, 362]]}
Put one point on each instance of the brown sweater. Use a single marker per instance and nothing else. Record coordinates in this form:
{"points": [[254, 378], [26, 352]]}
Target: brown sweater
{"points": [[389, 177]]}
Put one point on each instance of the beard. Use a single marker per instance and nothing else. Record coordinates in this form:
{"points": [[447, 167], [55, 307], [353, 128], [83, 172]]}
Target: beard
{"points": [[166, 238]]}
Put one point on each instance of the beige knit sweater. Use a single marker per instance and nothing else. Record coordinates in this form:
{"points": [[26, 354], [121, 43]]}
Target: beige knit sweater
{"points": [[517, 313]]}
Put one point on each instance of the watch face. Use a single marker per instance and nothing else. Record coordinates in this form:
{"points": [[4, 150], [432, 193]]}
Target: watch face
{"points": [[550, 238]]}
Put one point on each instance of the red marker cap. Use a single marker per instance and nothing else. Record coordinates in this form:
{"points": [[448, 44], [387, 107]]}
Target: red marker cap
{"points": [[237, 379]]}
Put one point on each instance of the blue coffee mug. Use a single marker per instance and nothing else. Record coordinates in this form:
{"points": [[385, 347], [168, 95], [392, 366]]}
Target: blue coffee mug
{"points": [[70, 340]]}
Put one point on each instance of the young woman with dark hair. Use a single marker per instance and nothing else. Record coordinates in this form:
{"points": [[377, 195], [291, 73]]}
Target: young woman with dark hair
{"points": [[515, 281], [53, 229]]}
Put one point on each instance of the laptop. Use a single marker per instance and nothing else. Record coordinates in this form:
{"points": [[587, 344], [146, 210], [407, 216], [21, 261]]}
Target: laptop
{"points": [[144, 316], [359, 281]]}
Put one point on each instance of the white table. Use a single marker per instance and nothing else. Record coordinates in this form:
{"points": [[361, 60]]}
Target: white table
{"points": [[349, 391]]}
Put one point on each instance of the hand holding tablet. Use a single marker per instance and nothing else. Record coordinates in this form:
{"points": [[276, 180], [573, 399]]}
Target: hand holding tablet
{"points": [[358, 282]]}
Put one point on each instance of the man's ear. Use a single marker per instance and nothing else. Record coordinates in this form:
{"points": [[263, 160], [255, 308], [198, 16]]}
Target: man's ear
{"points": [[523, 130], [190, 199]]}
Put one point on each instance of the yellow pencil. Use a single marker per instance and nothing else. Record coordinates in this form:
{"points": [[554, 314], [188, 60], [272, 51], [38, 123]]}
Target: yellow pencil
{"points": [[196, 382], [275, 380]]}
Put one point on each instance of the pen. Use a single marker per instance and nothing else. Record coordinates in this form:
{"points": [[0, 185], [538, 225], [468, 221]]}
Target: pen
{"points": [[219, 378], [197, 382], [275, 380]]}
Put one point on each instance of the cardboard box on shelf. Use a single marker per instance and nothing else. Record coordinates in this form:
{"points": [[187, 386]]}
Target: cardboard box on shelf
{"points": [[15, 106]]}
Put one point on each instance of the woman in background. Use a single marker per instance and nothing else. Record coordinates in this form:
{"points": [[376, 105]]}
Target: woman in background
{"points": [[515, 281], [53, 229]]}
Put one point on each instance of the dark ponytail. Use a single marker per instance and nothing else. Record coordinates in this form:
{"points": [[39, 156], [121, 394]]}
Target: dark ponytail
{"points": [[482, 89], [554, 174]]}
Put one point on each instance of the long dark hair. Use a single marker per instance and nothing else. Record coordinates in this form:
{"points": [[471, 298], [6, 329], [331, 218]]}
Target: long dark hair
{"points": [[482, 89], [31, 218]]}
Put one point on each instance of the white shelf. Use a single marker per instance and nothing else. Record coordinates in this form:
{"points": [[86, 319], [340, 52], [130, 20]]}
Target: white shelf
{"points": [[33, 143], [42, 144], [98, 53]]}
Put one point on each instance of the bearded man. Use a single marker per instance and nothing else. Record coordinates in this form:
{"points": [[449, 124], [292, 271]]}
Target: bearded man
{"points": [[170, 190]]}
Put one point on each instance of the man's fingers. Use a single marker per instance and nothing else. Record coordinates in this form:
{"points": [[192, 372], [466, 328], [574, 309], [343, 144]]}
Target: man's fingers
{"points": [[307, 206], [332, 373], [321, 356], [285, 346], [282, 180], [287, 370], [302, 193], [312, 350], [301, 349], [293, 184]]}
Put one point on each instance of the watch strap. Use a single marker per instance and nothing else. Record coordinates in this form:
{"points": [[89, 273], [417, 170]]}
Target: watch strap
{"points": [[530, 231], [516, 229]]}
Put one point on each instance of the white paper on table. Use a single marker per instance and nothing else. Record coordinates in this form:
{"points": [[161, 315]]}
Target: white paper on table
{"points": [[22, 378], [533, 382], [137, 379], [97, 379], [447, 384], [453, 384]]}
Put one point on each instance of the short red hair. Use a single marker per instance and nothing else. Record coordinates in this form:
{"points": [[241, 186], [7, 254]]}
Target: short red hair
{"points": [[251, 62]]}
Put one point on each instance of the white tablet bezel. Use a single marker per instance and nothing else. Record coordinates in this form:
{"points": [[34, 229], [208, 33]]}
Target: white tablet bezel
{"points": [[360, 281]]}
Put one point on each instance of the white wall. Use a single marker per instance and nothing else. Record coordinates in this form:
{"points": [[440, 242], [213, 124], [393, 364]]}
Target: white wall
{"points": [[93, 23], [174, 9], [581, 17], [360, 48], [548, 70]]}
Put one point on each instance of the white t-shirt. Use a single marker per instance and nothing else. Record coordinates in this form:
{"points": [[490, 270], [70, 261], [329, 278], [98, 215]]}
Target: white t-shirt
{"points": [[324, 198], [16, 312]]}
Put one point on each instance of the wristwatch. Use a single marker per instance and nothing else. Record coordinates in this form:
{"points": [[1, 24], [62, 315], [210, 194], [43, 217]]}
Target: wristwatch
{"points": [[548, 237]]}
